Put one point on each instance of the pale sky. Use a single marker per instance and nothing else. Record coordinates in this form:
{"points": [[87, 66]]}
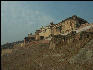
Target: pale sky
{"points": [[18, 18]]}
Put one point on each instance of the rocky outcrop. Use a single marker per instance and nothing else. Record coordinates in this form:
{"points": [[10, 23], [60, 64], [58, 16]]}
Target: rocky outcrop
{"points": [[71, 39]]}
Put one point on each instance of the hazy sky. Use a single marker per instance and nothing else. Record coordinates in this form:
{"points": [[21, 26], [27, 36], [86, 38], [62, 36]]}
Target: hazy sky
{"points": [[18, 18]]}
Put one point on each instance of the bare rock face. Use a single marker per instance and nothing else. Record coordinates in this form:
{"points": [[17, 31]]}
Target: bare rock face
{"points": [[72, 38]]}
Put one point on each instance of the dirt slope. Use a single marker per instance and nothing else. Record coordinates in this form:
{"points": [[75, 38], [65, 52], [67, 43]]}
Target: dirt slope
{"points": [[76, 53]]}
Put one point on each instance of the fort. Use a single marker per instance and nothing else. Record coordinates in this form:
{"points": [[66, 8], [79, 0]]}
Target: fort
{"points": [[62, 28]]}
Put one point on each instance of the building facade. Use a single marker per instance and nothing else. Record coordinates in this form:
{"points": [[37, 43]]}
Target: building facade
{"points": [[63, 27]]}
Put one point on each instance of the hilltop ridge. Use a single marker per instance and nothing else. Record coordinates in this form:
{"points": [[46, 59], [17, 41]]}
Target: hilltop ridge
{"points": [[74, 23], [64, 27], [67, 45]]}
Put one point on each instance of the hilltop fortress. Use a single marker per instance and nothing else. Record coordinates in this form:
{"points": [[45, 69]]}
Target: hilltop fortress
{"points": [[62, 28]]}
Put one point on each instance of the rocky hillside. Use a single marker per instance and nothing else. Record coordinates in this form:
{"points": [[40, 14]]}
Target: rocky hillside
{"points": [[76, 37], [39, 57], [71, 52]]}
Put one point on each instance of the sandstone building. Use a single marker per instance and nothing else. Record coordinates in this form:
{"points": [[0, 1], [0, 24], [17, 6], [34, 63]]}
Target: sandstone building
{"points": [[62, 28]]}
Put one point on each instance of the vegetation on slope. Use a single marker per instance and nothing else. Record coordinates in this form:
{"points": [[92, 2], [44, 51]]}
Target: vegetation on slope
{"points": [[76, 53]]}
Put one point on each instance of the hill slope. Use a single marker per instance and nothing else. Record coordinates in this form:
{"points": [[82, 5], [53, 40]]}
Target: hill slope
{"points": [[39, 57], [75, 52]]}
